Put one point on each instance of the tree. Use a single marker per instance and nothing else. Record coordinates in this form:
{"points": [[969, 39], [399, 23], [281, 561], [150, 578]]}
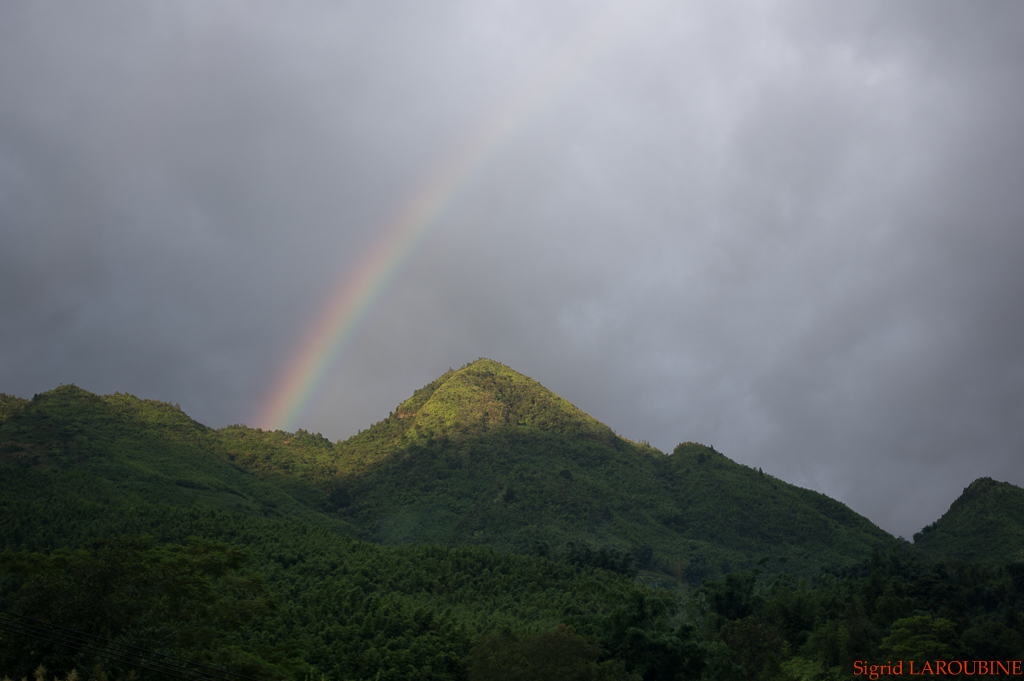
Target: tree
{"points": [[176, 599], [756, 646], [557, 655], [920, 638]]}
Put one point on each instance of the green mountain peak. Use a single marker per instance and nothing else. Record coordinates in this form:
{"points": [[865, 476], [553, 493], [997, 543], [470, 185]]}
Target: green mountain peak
{"points": [[485, 395]]}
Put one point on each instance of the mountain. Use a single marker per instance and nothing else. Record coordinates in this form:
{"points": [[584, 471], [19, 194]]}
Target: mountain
{"points": [[74, 463], [236, 548], [481, 456], [487, 456], [985, 523], [125, 518]]}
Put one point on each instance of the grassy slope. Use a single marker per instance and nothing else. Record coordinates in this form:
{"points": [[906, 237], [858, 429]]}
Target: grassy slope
{"points": [[986, 523]]}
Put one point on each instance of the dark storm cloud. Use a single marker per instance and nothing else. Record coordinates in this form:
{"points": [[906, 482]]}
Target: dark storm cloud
{"points": [[791, 230]]}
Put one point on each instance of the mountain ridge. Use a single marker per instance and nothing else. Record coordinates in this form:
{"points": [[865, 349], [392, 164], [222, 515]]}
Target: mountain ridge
{"points": [[71, 457], [482, 455], [486, 455], [986, 522]]}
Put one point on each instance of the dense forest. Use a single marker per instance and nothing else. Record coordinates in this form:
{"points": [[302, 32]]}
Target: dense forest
{"points": [[487, 456], [486, 529]]}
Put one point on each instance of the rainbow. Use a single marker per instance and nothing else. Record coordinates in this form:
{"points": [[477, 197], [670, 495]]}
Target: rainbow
{"points": [[358, 291]]}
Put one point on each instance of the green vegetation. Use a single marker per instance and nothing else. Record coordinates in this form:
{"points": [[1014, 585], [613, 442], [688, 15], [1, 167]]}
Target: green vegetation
{"points": [[512, 537], [307, 602], [92, 454], [986, 523], [175, 598], [313, 602], [486, 456], [895, 606]]}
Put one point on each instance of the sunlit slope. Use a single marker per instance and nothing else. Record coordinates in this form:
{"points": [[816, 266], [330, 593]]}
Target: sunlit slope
{"points": [[485, 455], [71, 461], [985, 523], [482, 397]]}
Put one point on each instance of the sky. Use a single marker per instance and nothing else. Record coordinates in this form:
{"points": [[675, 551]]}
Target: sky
{"points": [[790, 230]]}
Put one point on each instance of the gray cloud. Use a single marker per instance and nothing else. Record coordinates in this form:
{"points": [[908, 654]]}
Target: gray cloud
{"points": [[787, 229]]}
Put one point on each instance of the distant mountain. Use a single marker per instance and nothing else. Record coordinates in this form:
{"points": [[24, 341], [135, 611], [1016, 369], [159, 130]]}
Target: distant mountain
{"points": [[986, 523], [485, 455]]}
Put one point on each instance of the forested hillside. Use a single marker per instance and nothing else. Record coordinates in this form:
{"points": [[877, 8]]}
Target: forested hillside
{"points": [[69, 456], [514, 537], [985, 523], [275, 600], [487, 456]]}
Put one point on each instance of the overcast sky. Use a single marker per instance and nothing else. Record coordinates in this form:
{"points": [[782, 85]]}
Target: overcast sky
{"points": [[792, 230]]}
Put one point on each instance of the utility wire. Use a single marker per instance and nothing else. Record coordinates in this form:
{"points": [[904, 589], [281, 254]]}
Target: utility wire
{"points": [[150, 660]]}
